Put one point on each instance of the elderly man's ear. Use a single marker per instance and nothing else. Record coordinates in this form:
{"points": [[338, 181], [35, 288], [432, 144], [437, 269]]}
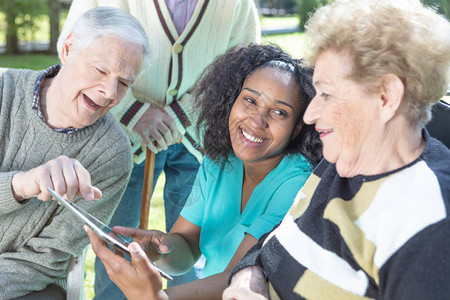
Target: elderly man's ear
{"points": [[392, 90], [67, 48]]}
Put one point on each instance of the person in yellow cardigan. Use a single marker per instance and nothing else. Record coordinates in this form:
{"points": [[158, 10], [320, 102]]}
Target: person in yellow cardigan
{"points": [[185, 37]]}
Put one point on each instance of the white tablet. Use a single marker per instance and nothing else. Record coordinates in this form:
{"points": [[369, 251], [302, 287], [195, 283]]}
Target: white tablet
{"points": [[102, 230]]}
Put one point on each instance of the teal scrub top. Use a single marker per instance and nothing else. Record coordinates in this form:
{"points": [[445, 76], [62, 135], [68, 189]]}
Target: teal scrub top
{"points": [[215, 202]]}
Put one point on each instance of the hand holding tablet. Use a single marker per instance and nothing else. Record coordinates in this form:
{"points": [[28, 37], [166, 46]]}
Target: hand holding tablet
{"points": [[113, 239]]}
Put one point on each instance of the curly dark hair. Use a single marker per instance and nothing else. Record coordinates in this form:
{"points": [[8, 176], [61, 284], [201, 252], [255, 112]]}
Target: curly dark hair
{"points": [[220, 84]]}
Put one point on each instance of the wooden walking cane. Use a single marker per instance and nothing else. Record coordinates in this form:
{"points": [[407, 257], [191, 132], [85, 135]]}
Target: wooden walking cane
{"points": [[147, 190]]}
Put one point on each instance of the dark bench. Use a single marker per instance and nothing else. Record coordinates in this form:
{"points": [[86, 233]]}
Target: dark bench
{"points": [[439, 126]]}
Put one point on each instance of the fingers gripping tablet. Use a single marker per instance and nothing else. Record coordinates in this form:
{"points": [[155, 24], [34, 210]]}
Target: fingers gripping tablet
{"points": [[102, 230]]}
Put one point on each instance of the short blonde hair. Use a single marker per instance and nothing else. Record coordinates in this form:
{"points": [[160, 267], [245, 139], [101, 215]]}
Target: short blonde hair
{"points": [[401, 37]]}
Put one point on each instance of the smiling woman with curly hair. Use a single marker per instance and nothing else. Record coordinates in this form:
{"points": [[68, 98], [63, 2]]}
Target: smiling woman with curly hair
{"points": [[221, 83], [259, 153]]}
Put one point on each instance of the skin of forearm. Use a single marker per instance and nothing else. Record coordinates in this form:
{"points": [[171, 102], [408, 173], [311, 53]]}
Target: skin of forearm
{"points": [[180, 259], [207, 288], [253, 279]]}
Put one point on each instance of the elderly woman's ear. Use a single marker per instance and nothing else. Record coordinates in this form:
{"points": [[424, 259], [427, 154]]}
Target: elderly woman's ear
{"points": [[391, 92]]}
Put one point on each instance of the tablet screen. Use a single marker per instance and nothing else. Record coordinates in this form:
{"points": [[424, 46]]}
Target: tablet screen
{"points": [[102, 230]]}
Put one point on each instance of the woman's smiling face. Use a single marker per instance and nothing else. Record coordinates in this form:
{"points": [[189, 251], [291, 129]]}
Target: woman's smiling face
{"points": [[346, 115], [264, 117]]}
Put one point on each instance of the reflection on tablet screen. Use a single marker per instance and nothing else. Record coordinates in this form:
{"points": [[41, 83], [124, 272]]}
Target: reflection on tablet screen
{"points": [[103, 227]]}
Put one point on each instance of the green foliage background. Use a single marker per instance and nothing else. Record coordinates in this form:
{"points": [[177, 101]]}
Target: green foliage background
{"points": [[306, 7], [28, 20]]}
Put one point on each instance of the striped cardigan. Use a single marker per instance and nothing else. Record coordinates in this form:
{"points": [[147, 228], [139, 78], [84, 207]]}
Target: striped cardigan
{"points": [[384, 236]]}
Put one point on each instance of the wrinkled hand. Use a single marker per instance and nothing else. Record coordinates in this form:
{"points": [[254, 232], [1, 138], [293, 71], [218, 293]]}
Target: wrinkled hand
{"points": [[247, 284], [154, 242], [156, 125], [138, 279], [241, 293], [64, 175]]}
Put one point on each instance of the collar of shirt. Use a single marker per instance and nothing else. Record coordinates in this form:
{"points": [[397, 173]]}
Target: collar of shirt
{"points": [[181, 12], [50, 72]]}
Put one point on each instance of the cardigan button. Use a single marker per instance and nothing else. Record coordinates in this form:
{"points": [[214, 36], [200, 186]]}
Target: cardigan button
{"points": [[173, 92], [177, 48]]}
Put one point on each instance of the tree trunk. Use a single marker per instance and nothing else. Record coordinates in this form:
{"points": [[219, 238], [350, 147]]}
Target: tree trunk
{"points": [[12, 42], [54, 24]]}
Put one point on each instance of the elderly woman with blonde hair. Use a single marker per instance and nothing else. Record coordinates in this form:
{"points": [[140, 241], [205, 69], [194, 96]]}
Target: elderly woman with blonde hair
{"points": [[372, 220]]}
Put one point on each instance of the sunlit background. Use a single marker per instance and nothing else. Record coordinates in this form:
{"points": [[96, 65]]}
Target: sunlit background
{"points": [[29, 30]]}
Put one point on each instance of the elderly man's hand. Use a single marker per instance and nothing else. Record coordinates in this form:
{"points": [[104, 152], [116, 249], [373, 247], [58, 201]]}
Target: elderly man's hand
{"points": [[138, 279], [65, 175], [247, 284], [156, 125]]}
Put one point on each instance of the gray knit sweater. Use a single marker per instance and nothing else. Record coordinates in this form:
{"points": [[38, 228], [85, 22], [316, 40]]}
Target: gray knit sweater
{"points": [[38, 238]]}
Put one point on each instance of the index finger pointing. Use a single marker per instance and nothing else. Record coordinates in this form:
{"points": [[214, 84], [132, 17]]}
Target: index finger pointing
{"points": [[129, 231], [85, 187]]}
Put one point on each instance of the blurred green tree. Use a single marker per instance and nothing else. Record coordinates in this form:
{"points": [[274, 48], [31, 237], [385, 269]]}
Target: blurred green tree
{"points": [[20, 14], [443, 6], [306, 7], [20, 17], [54, 9]]}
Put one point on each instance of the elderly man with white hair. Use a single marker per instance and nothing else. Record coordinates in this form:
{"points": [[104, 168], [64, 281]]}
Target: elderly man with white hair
{"points": [[56, 132]]}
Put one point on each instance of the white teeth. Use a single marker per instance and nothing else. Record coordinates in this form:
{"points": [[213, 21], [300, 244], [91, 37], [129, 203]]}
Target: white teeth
{"points": [[252, 138], [90, 102], [326, 131]]}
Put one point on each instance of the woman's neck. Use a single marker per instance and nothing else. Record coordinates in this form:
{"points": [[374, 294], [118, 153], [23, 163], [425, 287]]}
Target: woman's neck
{"points": [[254, 174], [399, 145]]}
